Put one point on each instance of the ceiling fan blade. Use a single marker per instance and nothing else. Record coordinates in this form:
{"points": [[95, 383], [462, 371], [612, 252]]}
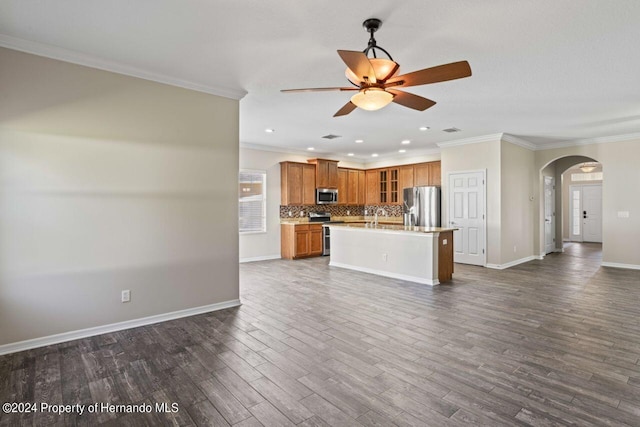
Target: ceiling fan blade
{"points": [[346, 109], [320, 89], [359, 64], [441, 73], [410, 100]]}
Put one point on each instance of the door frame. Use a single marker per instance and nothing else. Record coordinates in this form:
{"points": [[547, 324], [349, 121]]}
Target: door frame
{"points": [[485, 249], [553, 215]]}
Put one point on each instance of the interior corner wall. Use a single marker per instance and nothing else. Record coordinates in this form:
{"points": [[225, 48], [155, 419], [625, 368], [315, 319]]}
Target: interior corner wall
{"points": [[109, 182], [620, 235], [473, 157], [517, 203]]}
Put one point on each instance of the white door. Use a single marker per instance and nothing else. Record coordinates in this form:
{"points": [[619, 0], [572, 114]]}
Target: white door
{"points": [[592, 213], [586, 213], [467, 214], [549, 214]]}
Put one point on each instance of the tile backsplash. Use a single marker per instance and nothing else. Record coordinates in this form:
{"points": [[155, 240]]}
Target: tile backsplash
{"points": [[340, 210]]}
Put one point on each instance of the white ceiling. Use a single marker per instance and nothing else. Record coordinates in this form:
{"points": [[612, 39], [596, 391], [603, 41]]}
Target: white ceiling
{"points": [[546, 71]]}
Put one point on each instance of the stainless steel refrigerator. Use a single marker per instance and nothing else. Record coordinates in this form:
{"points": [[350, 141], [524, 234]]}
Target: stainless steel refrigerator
{"points": [[422, 206]]}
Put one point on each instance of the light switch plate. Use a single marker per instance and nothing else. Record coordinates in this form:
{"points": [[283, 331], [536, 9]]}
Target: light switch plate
{"points": [[623, 214]]}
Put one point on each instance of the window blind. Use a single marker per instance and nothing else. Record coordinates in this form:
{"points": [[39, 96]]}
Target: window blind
{"points": [[252, 201]]}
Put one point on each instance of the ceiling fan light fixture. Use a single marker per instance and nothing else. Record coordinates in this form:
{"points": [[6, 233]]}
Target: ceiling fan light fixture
{"points": [[372, 98], [383, 69]]}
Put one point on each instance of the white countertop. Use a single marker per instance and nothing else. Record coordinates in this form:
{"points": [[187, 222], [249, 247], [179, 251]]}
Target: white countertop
{"points": [[391, 228]]}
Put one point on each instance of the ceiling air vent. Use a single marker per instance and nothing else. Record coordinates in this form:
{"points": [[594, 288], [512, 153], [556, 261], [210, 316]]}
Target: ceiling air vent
{"points": [[451, 130], [331, 136]]}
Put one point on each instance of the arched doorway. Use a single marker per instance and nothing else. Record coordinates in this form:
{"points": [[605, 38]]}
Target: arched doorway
{"points": [[559, 214]]}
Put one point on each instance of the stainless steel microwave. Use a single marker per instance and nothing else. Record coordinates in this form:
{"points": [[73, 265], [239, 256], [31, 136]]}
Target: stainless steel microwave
{"points": [[325, 196]]}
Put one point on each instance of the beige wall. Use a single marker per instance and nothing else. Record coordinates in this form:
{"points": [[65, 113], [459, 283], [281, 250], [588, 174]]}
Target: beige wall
{"points": [[517, 203], [255, 246], [480, 156], [621, 236], [109, 182]]}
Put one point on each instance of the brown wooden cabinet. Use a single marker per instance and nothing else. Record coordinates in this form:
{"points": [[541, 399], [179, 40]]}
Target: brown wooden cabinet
{"points": [[372, 196], [326, 173], [405, 180], [343, 186], [362, 188], [435, 173], [297, 184], [427, 173], [300, 240]]}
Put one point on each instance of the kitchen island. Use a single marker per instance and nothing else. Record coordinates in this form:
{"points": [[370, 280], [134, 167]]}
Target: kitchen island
{"points": [[412, 253]]}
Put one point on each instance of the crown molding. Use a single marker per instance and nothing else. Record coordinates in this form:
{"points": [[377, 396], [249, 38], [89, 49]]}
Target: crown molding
{"points": [[305, 153], [472, 140], [512, 139], [54, 52], [590, 141]]}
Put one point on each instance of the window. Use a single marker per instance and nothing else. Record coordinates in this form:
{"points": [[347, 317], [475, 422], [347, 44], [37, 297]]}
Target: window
{"points": [[591, 176], [252, 206]]}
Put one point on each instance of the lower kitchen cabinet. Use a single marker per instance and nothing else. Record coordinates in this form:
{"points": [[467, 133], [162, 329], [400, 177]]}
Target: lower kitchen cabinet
{"points": [[300, 240]]}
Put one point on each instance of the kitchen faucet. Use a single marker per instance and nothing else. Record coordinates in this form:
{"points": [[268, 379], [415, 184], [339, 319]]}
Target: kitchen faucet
{"points": [[375, 217]]}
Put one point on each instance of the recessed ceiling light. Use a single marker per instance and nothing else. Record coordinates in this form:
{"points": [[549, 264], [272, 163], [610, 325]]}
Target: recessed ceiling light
{"points": [[310, 148], [374, 155], [269, 130], [424, 128], [402, 151], [359, 141], [406, 141], [350, 154]]}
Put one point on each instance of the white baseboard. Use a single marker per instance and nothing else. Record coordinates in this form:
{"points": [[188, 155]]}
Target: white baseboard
{"points": [[260, 258], [422, 280], [513, 263], [113, 327], [619, 265]]}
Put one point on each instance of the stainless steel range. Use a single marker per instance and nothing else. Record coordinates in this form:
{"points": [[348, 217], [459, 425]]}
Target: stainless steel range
{"points": [[325, 218]]}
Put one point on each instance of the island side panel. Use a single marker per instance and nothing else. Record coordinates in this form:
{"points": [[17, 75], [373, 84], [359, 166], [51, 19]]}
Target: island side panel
{"points": [[445, 256], [401, 255]]}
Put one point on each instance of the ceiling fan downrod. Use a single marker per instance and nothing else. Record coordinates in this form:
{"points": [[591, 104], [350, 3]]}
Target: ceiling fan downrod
{"points": [[371, 26]]}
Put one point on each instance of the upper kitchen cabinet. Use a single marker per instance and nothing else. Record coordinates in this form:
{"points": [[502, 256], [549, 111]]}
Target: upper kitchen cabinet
{"points": [[326, 173], [388, 185], [297, 183], [427, 174], [372, 178], [343, 186], [351, 187]]}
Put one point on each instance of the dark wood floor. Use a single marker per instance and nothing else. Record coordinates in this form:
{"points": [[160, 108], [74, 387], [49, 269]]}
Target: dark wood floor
{"points": [[552, 342]]}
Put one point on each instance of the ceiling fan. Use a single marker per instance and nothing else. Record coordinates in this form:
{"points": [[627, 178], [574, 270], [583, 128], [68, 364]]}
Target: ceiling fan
{"points": [[376, 80]]}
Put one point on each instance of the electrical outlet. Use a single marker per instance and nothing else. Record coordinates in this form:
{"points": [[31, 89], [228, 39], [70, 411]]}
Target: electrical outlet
{"points": [[301, 213], [290, 213], [348, 212], [365, 212], [126, 295], [515, 248], [384, 257]]}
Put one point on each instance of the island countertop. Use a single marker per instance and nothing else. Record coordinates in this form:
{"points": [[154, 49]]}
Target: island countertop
{"points": [[392, 228]]}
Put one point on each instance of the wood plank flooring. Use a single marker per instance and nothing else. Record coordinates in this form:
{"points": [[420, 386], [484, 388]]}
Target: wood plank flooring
{"points": [[551, 342]]}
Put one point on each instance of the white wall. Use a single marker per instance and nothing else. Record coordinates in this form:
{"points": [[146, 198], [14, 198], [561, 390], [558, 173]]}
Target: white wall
{"points": [[109, 182]]}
